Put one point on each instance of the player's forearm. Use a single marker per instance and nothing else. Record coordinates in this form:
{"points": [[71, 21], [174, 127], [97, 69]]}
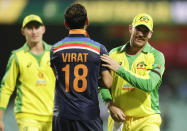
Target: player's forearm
{"points": [[106, 79], [141, 82], [1, 114]]}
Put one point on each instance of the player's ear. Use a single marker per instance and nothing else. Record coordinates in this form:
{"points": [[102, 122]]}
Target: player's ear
{"points": [[87, 21], [150, 34], [22, 31], [43, 29], [66, 25], [130, 29]]}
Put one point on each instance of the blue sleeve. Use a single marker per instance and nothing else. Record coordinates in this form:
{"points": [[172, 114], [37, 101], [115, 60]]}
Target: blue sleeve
{"points": [[103, 50], [51, 58]]}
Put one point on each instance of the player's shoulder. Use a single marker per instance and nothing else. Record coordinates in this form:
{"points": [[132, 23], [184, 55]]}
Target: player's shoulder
{"points": [[15, 52], [94, 42], [21, 49], [57, 43], [47, 46], [115, 50], [155, 51]]}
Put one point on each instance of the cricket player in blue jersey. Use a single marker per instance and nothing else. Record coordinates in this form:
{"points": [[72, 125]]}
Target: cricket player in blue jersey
{"points": [[77, 65]]}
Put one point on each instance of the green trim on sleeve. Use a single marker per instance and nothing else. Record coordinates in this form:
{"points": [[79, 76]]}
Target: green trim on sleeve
{"points": [[105, 94], [159, 64], [2, 108], [7, 69], [18, 101], [7, 84], [141, 82]]}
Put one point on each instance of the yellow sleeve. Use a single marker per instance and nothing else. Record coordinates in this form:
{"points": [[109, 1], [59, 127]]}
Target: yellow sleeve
{"points": [[8, 82]]}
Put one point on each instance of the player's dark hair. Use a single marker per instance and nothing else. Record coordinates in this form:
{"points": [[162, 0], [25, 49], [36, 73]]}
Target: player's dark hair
{"points": [[75, 16], [33, 24]]}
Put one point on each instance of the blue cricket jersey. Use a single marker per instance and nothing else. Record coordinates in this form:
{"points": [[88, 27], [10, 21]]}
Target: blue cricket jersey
{"points": [[76, 60]]}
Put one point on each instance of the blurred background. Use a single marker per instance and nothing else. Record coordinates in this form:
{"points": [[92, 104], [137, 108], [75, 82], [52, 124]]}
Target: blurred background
{"points": [[109, 22]]}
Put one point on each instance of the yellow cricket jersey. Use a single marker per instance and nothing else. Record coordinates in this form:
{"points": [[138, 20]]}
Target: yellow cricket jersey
{"points": [[34, 82], [136, 83]]}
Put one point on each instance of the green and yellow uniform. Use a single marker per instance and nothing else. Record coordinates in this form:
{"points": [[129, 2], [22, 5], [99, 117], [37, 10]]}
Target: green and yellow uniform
{"points": [[34, 81], [136, 83]]}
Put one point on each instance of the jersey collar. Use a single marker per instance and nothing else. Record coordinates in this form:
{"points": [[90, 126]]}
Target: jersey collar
{"points": [[147, 47], [78, 32], [46, 46]]}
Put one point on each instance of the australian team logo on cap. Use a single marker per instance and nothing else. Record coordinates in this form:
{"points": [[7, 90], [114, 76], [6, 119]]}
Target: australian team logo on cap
{"points": [[31, 17], [144, 19]]}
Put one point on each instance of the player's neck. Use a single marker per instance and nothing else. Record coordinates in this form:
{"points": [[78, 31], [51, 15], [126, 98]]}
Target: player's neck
{"points": [[36, 48], [133, 50]]}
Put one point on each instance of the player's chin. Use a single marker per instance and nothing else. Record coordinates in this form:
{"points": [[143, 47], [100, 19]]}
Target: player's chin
{"points": [[35, 40], [140, 44]]}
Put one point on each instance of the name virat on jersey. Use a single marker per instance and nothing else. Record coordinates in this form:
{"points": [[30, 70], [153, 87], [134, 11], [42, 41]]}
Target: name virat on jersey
{"points": [[74, 57]]}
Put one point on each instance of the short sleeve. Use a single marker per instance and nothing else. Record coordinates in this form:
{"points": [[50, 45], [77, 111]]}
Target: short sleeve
{"points": [[103, 50], [159, 64]]}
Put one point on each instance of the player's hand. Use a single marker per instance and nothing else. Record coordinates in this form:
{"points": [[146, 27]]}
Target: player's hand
{"points": [[110, 63], [1, 125], [116, 113]]}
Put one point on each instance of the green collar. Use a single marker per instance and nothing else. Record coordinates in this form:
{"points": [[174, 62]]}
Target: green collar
{"points": [[46, 46], [147, 47]]}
